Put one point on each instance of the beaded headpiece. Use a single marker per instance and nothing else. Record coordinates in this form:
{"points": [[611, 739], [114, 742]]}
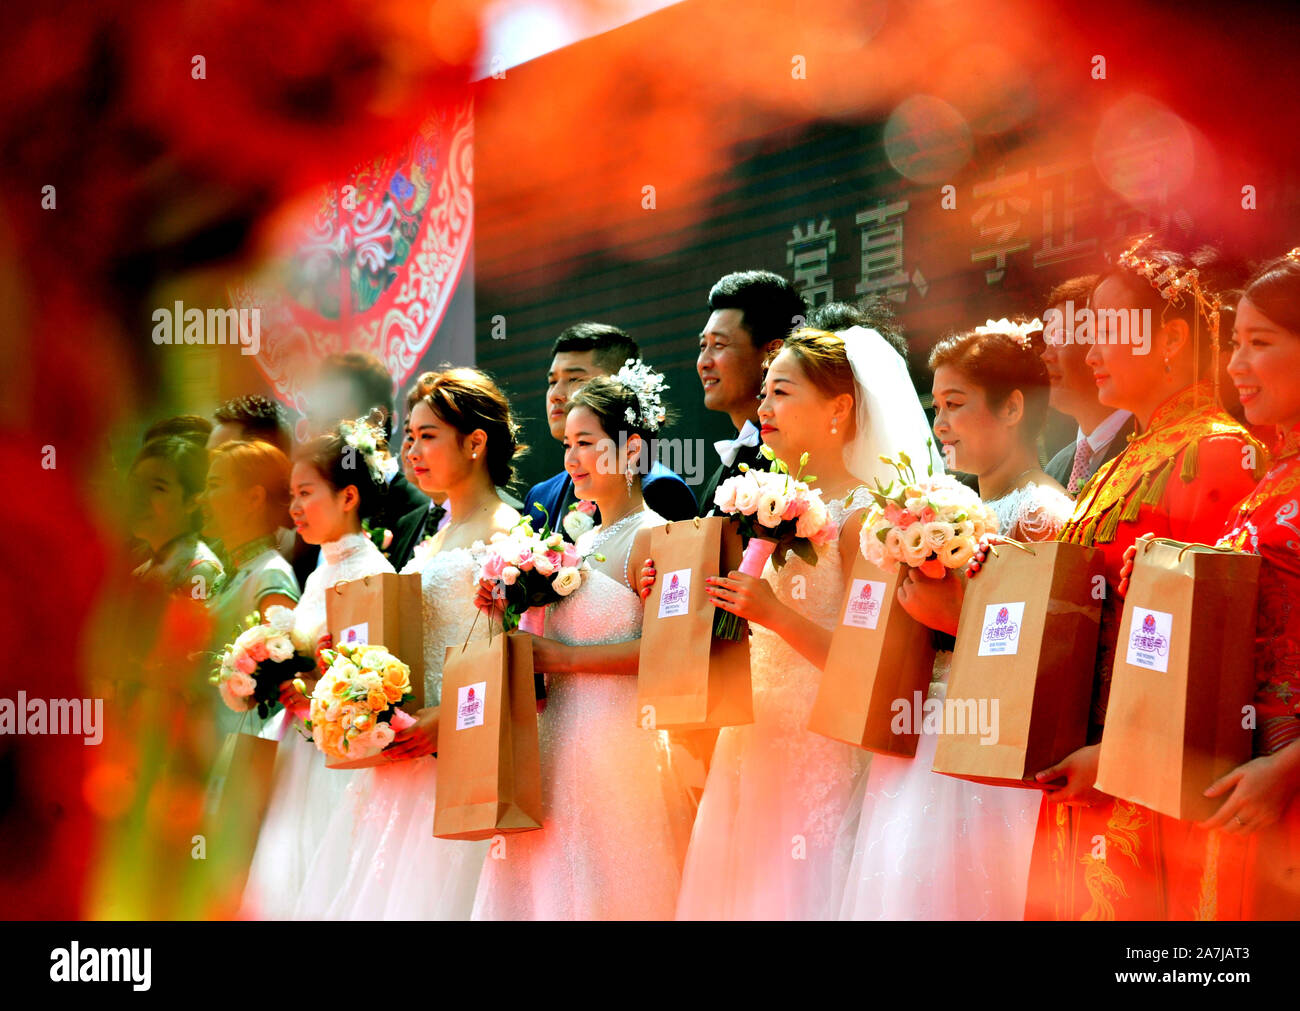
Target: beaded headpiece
{"points": [[646, 385], [1176, 286]]}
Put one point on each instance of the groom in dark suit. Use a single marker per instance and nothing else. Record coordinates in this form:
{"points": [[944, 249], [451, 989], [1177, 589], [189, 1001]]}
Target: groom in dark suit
{"points": [[751, 312], [1103, 431], [580, 352]]}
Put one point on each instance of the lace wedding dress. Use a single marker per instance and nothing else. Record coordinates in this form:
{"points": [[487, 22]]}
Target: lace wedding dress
{"points": [[924, 846], [378, 858], [304, 792], [764, 837], [615, 817]]}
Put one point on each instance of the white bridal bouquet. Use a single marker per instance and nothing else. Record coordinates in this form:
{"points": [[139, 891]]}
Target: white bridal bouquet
{"points": [[933, 523], [777, 513]]}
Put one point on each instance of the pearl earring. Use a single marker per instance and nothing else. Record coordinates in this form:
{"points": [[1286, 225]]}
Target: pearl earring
{"points": [[1167, 368], [474, 455], [834, 430]]}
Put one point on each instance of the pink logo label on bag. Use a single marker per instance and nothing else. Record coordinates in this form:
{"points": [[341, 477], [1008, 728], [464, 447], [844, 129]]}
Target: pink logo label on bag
{"points": [[1148, 642], [469, 705], [863, 607], [1000, 635], [676, 598], [356, 635]]}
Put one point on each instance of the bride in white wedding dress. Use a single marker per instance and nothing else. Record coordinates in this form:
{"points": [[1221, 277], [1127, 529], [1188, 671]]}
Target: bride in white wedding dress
{"points": [[327, 505], [920, 845], [616, 818], [764, 842], [378, 857]]}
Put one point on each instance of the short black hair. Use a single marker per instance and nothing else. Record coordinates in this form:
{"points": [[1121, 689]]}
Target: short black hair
{"points": [[189, 457], [769, 306], [186, 426], [610, 346], [262, 419], [873, 312], [370, 380]]}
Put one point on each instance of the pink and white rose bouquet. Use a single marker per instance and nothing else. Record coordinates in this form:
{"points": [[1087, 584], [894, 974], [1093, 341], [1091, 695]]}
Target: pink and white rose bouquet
{"points": [[529, 569], [263, 656], [933, 523]]}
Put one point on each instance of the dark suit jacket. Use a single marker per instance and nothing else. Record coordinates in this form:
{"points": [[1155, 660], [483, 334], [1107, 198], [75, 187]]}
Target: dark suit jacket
{"points": [[748, 455], [663, 490], [1063, 462], [400, 499], [411, 529]]}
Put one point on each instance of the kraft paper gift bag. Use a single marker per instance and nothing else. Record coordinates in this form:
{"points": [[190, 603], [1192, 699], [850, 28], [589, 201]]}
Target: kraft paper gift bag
{"points": [[239, 791], [1184, 673], [1023, 665], [688, 679], [382, 610], [880, 655], [489, 767], [386, 610]]}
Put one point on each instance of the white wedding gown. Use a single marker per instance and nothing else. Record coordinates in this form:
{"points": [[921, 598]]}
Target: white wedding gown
{"points": [[763, 847], [378, 858], [925, 846], [304, 792], [616, 818]]}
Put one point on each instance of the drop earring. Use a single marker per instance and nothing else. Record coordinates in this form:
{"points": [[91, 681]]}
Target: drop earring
{"points": [[834, 428], [1168, 370], [628, 475]]}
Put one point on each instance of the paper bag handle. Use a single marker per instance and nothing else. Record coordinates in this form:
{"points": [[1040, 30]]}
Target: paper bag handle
{"points": [[669, 525], [1187, 546], [993, 547]]}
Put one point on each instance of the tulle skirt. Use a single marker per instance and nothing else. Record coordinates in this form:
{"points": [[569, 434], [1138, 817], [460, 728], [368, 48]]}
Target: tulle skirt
{"points": [[616, 816], [377, 858], [764, 842], [930, 847], [304, 795]]}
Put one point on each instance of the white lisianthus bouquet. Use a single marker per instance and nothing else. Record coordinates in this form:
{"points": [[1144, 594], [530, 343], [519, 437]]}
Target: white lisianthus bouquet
{"points": [[580, 518], [932, 524], [530, 569], [355, 707], [777, 512], [263, 656]]}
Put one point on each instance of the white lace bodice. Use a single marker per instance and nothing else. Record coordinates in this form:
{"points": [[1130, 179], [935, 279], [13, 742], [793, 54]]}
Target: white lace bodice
{"points": [[1033, 513], [448, 581], [352, 556]]}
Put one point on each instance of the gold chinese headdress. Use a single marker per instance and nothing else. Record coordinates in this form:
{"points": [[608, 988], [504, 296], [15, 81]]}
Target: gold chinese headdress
{"points": [[1176, 286]]}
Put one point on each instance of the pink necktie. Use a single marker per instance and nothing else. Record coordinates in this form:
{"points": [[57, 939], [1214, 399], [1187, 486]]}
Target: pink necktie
{"points": [[1079, 473]]}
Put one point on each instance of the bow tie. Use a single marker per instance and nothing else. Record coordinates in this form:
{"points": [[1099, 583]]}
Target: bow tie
{"points": [[729, 449], [431, 519]]}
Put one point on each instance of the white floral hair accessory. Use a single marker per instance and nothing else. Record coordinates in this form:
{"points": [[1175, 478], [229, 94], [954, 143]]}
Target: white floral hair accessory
{"points": [[646, 385], [1019, 332], [366, 438]]}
